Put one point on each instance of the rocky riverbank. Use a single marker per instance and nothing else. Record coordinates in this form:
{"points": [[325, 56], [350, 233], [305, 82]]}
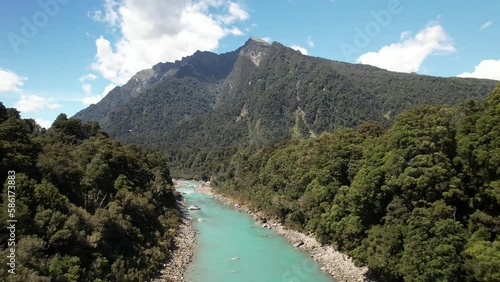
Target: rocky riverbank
{"points": [[338, 265], [182, 252]]}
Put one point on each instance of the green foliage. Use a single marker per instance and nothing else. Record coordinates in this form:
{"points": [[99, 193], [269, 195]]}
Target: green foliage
{"points": [[418, 202], [88, 208], [18, 149], [432, 245], [483, 260]]}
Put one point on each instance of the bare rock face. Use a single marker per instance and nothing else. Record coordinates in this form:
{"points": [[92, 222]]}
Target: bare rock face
{"points": [[260, 219], [255, 49], [298, 243]]}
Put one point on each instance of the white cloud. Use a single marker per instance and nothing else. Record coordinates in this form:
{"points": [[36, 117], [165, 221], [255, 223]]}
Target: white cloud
{"points": [[485, 25], [489, 69], [87, 88], [88, 77], [110, 14], [34, 103], [155, 31], [267, 39], [96, 98], [300, 49], [44, 123], [409, 54], [404, 35], [87, 101], [235, 31], [235, 13], [310, 42], [10, 81]]}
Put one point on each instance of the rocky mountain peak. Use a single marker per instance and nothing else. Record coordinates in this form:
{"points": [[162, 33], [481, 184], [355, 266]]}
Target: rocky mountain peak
{"points": [[255, 49], [256, 40]]}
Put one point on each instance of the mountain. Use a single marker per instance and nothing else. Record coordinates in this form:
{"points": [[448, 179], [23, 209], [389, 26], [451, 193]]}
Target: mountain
{"points": [[203, 66], [260, 94]]}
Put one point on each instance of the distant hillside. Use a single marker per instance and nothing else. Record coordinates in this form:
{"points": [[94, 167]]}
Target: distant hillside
{"points": [[261, 94]]}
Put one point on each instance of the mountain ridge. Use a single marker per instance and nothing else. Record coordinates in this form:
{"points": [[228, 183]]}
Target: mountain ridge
{"points": [[145, 79], [263, 93]]}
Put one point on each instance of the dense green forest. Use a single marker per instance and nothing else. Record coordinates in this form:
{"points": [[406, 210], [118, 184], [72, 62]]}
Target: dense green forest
{"points": [[419, 201], [87, 208]]}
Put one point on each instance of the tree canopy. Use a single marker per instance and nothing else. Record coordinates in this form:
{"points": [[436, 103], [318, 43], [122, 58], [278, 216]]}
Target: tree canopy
{"points": [[87, 207], [416, 202]]}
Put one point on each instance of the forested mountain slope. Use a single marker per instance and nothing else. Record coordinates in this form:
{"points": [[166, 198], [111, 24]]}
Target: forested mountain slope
{"points": [[167, 95], [87, 208], [262, 94], [419, 201], [205, 66]]}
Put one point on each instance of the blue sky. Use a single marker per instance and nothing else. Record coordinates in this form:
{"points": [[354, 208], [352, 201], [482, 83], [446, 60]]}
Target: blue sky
{"points": [[60, 55]]}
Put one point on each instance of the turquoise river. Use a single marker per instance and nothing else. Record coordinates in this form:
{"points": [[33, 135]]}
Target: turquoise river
{"points": [[232, 248]]}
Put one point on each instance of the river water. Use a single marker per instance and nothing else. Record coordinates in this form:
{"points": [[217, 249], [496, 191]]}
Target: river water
{"points": [[232, 248]]}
